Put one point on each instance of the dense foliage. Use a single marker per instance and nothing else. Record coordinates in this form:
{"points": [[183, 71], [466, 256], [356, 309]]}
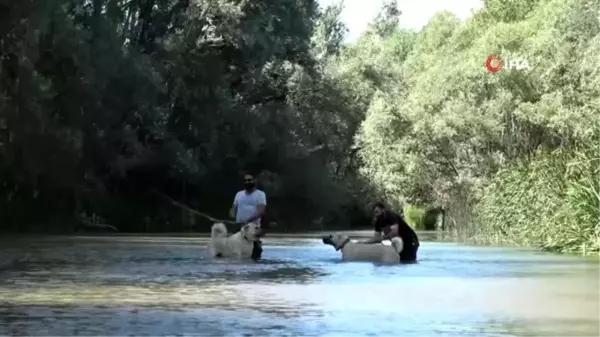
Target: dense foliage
{"points": [[109, 104], [512, 155]]}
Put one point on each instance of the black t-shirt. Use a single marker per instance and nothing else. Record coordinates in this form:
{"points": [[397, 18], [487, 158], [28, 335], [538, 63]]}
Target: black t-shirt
{"points": [[404, 231]]}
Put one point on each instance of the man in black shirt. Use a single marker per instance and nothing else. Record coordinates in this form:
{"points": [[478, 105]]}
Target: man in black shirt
{"points": [[392, 225]]}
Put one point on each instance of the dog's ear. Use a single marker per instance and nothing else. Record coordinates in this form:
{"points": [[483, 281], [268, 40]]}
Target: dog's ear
{"points": [[245, 228]]}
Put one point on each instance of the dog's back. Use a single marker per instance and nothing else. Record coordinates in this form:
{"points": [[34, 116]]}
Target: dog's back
{"points": [[370, 252]]}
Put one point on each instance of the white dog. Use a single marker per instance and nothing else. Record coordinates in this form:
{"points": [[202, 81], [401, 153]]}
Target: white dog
{"points": [[352, 251], [238, 245]]}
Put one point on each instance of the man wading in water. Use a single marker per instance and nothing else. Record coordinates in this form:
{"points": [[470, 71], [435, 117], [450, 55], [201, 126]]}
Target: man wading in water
{"points": [[249, 205], [392, 225]]}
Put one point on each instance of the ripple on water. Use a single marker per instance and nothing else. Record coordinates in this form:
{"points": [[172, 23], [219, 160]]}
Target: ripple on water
{"points": [[156, 286]]}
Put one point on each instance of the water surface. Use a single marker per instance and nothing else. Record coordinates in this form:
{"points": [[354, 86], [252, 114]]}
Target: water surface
{"points": [[133, 285]]}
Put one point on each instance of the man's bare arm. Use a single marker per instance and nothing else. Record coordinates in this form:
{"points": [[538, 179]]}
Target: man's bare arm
{"points": [[380, 237], [232, 211], [377, 238]]}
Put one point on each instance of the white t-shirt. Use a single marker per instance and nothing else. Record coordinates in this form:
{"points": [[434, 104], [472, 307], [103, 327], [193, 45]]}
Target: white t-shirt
{"points": [[246, 204]]}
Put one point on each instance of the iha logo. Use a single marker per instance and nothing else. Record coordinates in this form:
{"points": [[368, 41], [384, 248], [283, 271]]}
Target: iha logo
{"points": [[495, 63]]}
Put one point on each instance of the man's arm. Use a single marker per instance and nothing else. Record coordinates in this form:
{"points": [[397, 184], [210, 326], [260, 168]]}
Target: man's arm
{"points": [[387, 236], [382, 235], [233, 210], [377, 238], [260, 208]]}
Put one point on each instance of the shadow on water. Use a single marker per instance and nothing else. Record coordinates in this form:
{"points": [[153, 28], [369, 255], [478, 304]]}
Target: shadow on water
{"points": [[286, 274], [166, 285]]}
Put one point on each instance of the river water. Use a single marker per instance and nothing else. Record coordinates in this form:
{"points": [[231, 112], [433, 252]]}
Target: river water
{"points": [[134, 285]]}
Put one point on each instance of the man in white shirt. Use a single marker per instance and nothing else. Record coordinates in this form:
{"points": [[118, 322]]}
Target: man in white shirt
{"points": [[249, 205]]}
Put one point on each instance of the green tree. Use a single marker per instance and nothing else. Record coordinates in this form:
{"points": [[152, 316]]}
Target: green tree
{"points": [[111, 103]]}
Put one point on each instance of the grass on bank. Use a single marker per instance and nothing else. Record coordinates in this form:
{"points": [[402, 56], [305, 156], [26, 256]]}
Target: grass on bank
{"points": [[420, 218], [552, 204]]}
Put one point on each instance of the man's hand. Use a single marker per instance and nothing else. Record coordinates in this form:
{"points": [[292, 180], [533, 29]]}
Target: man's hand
{"points": [[232, 212], [386, 237]]}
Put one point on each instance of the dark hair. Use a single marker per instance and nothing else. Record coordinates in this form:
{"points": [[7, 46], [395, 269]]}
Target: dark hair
{"points": [[378, 205]]}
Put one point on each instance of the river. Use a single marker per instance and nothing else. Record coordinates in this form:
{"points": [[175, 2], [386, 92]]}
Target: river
{"points": [[151, 285]]}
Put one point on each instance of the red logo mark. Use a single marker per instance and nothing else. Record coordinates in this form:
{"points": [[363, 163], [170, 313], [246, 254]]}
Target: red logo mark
{"points": [[494, 63]]}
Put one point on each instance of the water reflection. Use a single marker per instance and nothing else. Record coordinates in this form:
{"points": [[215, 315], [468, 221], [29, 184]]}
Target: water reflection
{"points": [[157, 286]]}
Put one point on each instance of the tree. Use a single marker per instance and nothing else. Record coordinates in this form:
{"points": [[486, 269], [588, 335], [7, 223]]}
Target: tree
{"points": [[386, 22]]}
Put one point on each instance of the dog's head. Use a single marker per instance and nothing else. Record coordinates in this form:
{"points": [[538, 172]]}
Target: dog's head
{"points": [[252, 231], [337, 240], [219, 230]]}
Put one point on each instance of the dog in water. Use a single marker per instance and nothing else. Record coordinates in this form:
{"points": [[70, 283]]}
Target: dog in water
{"points": [[239, 245], [352, 251]]}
